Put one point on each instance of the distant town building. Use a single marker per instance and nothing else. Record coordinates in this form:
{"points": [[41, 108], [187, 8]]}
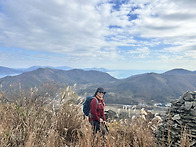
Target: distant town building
{"points": [[168, 105], [158, 104]]}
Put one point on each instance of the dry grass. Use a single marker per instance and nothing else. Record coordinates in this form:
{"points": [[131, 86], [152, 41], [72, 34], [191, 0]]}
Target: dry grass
{"points": [[34, 119]]}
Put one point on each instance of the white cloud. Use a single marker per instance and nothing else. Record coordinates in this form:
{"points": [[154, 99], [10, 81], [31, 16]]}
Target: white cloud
{"points": [[167, 20], [49, 26], [140, 52], [85, 29]]}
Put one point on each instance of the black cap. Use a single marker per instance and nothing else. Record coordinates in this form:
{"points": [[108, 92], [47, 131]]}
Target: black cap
{"points": [[100, 89]]}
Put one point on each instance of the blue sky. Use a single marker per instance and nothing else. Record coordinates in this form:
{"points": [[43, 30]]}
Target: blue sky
{"points": [[112, 34]]}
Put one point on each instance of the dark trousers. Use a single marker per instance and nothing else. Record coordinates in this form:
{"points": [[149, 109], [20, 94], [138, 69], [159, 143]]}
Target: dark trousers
{"points": [[98, 127]]}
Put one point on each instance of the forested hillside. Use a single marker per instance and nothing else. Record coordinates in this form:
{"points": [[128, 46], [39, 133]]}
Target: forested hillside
{"points": [[144, 88]]}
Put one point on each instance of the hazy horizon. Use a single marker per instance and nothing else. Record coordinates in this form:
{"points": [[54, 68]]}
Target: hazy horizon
{"points": [[117, 73]]}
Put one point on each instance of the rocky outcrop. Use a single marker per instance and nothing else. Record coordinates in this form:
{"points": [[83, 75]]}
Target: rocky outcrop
{"points": [[110, 114], [181, 119]]}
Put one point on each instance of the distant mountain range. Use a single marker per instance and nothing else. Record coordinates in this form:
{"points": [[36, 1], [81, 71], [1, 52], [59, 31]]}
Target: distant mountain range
{"points": [[179, 72], [44, 75], [143, 88], [152, 87], [5, 71]]}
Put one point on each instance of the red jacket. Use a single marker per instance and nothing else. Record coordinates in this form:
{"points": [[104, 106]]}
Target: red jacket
{"points": [[96, 110]]}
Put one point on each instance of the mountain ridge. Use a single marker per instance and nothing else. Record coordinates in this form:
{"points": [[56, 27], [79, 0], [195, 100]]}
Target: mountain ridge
{"points": [[178, 71], [151, 87], [43, 75], [7, 70], [4, 71], [145, 88]]}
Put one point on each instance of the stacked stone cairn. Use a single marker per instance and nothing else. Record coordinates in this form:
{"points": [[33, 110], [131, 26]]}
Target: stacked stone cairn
{"points": [[180, 119]]}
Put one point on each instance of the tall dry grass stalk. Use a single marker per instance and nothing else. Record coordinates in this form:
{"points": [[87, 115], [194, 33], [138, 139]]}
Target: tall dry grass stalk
{"points": [[185, 138], [52, 119]]}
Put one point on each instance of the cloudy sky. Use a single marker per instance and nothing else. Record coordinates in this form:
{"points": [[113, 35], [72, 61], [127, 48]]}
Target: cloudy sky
{"points": [[113, 34]]}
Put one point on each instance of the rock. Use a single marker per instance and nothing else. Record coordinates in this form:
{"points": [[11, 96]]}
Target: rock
{"points": [[176, 117], [193, 112], [188, 97], [181, 115], [110, 114], [194, 105], [188, 105]]}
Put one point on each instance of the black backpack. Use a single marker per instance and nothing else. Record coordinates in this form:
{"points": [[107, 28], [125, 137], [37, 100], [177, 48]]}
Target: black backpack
{"points": [[86, 105]]}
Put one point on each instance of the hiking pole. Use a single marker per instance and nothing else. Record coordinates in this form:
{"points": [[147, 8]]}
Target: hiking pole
{"points": [[106, 127]]}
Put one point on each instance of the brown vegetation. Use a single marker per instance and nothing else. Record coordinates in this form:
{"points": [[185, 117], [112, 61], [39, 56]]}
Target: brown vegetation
{"points": [[35, 119]]}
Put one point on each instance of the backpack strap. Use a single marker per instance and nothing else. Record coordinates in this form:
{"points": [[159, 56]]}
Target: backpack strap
{"points": [[96, 101], [90, 115]]}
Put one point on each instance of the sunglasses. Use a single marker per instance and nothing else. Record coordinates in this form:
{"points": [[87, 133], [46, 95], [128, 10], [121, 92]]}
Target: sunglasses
{"points": [[102, 92]]}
